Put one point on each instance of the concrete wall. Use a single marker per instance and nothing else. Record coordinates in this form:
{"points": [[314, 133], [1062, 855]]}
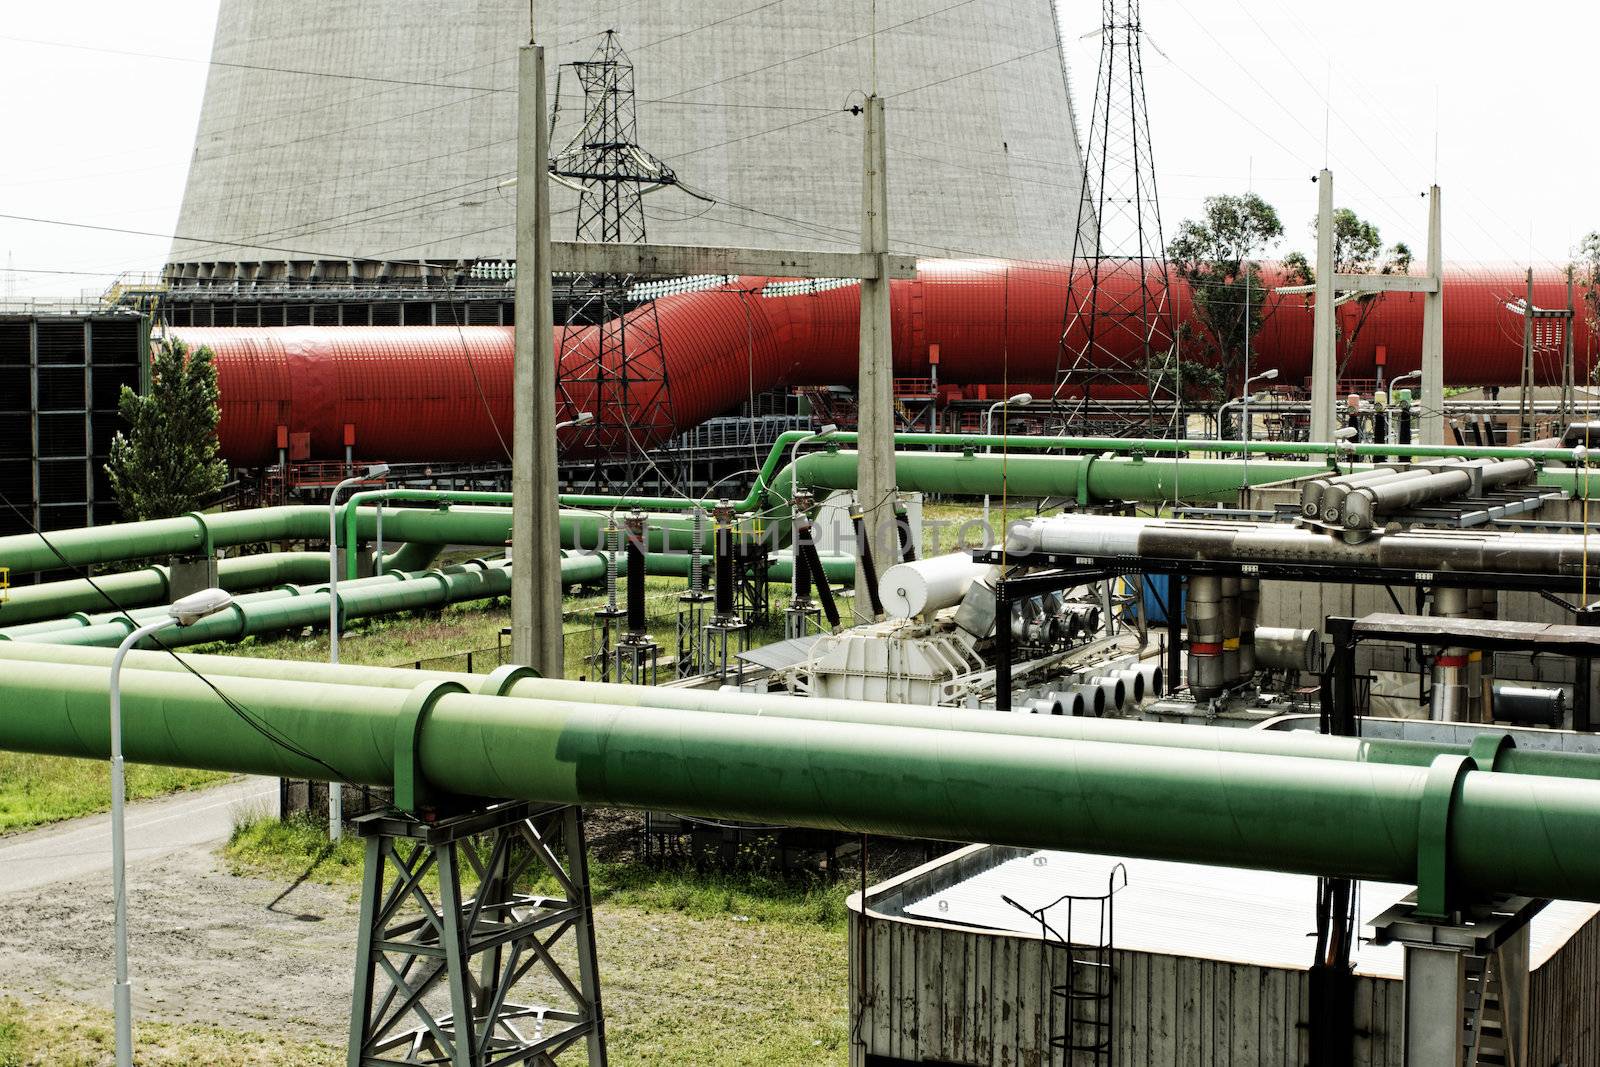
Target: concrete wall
{"points": [[746, 102]]}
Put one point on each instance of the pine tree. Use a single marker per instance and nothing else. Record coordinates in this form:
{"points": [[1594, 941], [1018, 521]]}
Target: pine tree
{"points": [[167, 462]]}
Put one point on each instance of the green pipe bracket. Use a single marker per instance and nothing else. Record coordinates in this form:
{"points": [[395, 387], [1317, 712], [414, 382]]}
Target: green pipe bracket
{"points": [[499, 682], [207, 546], [1487, 750], [411, 792], [1439, 793]]}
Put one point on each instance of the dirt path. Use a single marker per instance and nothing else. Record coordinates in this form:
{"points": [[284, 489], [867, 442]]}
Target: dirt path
{"points": [[204, 946]]}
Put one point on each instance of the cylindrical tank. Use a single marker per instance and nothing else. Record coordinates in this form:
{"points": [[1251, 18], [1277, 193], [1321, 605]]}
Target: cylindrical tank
{"points": [[928, 585], [1529, 705], [1204, 614], [1115, 691], [1282, 648]]}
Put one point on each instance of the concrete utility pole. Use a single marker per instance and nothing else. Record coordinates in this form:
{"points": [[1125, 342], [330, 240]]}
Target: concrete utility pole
{"points": [[1568, 385], [1432, 420], [535, 527], [1323, 368], [1525, 397], [875, 482]]}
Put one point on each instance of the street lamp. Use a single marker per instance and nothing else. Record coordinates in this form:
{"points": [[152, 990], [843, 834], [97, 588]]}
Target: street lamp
{"points": [[827, 431], [374, 472], [988, 430], [1246, 431], [583, 418], [823, 434], [184, 612]]}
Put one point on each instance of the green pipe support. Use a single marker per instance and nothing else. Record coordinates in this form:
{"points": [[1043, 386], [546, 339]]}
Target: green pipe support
{"points": [[1492, 751], [1488, 834]]}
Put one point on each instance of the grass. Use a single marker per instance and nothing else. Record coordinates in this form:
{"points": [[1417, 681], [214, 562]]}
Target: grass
{"points": [[742, 968], [71, 1035], [298, 847], [38, 790]]}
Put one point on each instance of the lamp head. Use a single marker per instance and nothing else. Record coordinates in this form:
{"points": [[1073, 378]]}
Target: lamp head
{"points": [[1345, 433], [583, 418], [827, 429], [1021, 398], [376, 471], [196, 606], [1268, 375]]}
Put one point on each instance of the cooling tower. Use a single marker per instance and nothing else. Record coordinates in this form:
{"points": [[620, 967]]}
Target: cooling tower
{"points": [[341, 135]]}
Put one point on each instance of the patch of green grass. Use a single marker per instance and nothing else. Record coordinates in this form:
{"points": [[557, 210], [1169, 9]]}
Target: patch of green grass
{"points": [[298, 847], [72, 1035], [291, 848], [746, 896], [37, 790]]}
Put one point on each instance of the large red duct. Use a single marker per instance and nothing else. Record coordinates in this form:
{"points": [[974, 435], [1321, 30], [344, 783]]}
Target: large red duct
{"points": [[444, 393]]}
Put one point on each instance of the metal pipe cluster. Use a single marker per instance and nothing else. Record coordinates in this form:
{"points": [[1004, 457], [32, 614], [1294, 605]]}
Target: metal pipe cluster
{"points": [[1357, 501]]}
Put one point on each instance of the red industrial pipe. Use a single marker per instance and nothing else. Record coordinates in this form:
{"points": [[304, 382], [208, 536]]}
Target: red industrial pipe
{"points": [[444, 393]]}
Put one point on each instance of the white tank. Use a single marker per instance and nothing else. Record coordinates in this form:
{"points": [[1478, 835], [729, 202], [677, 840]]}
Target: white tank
{"points": [[928, 585]]}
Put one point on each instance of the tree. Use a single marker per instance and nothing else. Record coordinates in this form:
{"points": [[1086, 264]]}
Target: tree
{"points": [[1213, 254], [1357, 249], [167, 463]]}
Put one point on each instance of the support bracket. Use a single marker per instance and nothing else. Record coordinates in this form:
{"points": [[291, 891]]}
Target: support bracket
{"points": [[410, 786]]}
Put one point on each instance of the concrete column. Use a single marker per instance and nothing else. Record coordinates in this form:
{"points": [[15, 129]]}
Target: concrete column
{"points": [[1435, 996], [1432, 417], [535, 530], [875, 480], [1324, 367]]}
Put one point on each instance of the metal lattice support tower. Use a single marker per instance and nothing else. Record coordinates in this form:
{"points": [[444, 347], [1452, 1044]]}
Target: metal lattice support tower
{"points": [[611, 357], [1117, 331], [424, 965]]}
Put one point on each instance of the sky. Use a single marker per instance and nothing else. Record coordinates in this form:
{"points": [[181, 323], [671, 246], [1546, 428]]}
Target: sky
{"points": [[1243, 94]]}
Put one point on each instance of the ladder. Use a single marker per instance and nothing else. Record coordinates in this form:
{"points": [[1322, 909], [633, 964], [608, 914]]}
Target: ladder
{"points": [[1483, 1038], [1082, 1010]]}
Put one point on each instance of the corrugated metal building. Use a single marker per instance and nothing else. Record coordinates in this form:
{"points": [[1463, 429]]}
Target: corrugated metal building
{"points": [[1209, 966]]}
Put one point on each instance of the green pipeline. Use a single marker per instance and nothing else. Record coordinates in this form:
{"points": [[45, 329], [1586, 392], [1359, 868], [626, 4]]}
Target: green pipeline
{"points": [[1503, 757], [1460, 833], [1132, 473], [152, 585], [765, 493], [290, 606]]}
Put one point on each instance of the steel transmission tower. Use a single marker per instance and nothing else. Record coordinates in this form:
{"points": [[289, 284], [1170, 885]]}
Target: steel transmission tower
{"points": [[1117, 335], [611, 357]]}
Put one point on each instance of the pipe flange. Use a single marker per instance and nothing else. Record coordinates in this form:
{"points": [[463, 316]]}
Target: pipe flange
{"points": [[499, 681], [1439, 792], [411, 791]]}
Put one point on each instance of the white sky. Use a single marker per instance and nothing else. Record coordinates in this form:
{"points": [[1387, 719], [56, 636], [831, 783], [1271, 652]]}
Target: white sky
{"points": [[1236, 96]]}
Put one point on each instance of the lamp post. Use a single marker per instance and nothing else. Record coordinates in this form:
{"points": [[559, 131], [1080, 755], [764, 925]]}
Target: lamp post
{"points": [[988, 430], [827, 431], [1246, 431], [374, 472], [184, 612], [583, 418]]}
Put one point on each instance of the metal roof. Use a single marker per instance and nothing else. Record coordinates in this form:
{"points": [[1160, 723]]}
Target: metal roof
{"points": [[1185, 909]]}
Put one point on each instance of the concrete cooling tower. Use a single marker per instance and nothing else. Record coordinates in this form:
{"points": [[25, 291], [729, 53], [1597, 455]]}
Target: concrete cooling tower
{"points": [[371, 140]]}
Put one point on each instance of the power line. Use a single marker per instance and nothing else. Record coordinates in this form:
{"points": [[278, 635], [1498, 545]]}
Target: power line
{"points": [[247, 66]]}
